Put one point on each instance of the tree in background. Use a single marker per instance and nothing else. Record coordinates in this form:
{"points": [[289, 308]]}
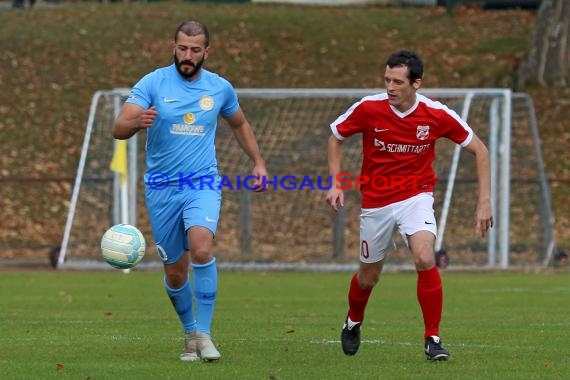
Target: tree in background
{"points": [[549, 57]]}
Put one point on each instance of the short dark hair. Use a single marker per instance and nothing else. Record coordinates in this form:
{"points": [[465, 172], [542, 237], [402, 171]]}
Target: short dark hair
{"points": [[410, 59], [193, 28]]}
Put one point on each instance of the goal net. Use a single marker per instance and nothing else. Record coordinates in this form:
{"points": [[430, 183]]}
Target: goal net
{"points": [[290, 226]]}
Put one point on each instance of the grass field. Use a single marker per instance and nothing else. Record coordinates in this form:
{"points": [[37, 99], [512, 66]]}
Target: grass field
{"points": [[281, 325]]}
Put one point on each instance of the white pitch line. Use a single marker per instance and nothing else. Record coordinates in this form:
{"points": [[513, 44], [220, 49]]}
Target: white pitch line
{"points": [[290, 339], [409, 344], [553, 290]]}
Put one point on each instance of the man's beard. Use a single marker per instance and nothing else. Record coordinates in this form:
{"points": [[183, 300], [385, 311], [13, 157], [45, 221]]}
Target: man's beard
{"points": [[190, 74]]}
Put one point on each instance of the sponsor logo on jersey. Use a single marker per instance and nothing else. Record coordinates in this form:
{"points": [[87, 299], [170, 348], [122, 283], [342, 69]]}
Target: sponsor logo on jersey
{"points": [[206, 103], [423, 132], [189, 118], [189, 130], [407, 148], [379, 144], [400, 148]]}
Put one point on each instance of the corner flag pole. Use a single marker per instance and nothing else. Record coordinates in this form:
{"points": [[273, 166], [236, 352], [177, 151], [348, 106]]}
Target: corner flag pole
{"points": [[119, 165]]}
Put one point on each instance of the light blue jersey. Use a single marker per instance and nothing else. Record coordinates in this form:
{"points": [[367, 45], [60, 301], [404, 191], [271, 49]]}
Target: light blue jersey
{"points": [[181, 152], [180, 143]]}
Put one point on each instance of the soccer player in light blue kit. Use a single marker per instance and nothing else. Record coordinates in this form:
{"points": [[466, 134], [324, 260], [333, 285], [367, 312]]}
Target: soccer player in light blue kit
{"points": [[179, 106]]}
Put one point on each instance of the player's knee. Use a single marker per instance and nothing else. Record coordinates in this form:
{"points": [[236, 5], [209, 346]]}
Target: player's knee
{"points": [[424, 260], [176, 279], [201, 255], [368, 281]]}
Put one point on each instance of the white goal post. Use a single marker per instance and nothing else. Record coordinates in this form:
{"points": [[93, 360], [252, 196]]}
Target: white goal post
{"points": [[288, 228]]}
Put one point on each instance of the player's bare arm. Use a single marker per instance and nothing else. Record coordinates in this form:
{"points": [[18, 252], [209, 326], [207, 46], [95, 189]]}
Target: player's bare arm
{"points": [[131, 119], [246, 139], [335, 196], [484, 213]]}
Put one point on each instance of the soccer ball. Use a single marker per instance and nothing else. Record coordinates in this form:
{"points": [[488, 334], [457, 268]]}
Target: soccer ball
{"points": [[123, 246]]}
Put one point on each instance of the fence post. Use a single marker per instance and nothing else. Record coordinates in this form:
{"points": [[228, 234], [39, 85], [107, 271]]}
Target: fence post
{"points": [[245, 222], [338, 234]]}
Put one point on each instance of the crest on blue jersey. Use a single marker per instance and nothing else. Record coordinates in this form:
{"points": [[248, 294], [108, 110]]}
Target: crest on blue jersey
{"points": [[206, 103]]}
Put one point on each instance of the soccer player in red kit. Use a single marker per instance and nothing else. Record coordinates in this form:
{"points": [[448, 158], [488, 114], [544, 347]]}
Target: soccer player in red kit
{"points": [[399, 129]]}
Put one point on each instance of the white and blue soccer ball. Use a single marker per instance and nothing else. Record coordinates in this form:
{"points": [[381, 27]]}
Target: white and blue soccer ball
{"points": [[123, 246]]}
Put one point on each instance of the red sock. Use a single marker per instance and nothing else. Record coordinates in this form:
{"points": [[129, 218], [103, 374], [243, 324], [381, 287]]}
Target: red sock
{"points": [[357, 300], [430, 296]]}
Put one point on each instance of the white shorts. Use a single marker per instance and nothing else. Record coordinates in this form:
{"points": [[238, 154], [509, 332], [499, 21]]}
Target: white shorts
{"points": [[377, 224]]}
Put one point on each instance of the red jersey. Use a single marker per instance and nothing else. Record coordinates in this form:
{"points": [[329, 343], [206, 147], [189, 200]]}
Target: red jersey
{"points": [[399, 147]]}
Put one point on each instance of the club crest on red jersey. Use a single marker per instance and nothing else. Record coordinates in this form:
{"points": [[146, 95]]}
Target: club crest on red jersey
{"points": [[423, 132]]}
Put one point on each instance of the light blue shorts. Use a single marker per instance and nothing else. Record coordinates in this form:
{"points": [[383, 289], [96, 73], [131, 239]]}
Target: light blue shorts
{"points": [[172, 211]]}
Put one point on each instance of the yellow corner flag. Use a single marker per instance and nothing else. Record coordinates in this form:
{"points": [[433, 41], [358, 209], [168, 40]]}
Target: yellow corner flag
{"points": [[119, 161]]}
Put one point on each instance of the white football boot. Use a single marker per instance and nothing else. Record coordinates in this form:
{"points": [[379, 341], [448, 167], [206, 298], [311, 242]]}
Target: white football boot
{"points": [[190, 352], [206, 348]]}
